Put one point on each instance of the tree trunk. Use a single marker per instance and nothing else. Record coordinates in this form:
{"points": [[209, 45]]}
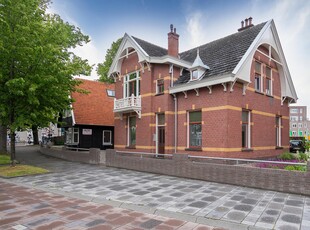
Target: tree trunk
{"points": [[13, 156], [3, 139], [35, 134]]}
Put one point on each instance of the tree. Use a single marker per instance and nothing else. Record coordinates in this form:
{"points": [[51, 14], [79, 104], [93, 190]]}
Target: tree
{"points": [[103, 68], [36, 65], [3, 139]]}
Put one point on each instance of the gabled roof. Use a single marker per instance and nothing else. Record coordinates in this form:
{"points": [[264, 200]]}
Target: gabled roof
{"points": [[94, 108], [151, 49], [222, 55]]}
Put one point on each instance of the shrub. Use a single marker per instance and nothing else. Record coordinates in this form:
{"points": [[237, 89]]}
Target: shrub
{"points": [[303, 157], [287, 156], [295, 168]]}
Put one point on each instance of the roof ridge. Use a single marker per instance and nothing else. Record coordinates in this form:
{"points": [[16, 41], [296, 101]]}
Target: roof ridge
{"points": [[243, 31]]}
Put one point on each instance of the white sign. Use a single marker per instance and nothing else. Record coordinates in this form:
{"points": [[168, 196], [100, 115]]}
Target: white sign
{"points": [[87, 131]]}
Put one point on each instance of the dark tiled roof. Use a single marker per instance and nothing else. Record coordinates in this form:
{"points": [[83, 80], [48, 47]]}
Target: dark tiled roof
{"points": [[151, 49], [224, 54]]}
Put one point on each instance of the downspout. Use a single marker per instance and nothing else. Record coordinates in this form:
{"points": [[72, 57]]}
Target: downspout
{"points": [[175, 122]]}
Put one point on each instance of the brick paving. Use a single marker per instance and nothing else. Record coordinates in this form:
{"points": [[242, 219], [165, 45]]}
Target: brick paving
{"points": [[28, 208], [213, 204]]}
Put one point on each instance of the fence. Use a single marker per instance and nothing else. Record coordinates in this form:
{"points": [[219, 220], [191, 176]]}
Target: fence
{"points": [[216, 170]]}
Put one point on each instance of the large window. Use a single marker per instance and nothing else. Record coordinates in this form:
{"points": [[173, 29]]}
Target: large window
{"points": [[132, 131], [268, 81], [294, 110], [132, 84], [195, 129], [107, 137], [246, 129], [278, 131], [258, 77], [72, 136]]}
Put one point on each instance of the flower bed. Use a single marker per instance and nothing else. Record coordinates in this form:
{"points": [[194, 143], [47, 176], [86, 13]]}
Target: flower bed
{"points": [[289, 158]]}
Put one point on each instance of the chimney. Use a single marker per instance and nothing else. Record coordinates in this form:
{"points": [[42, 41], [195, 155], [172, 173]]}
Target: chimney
{"points": [[247, 23], [173, 42]]}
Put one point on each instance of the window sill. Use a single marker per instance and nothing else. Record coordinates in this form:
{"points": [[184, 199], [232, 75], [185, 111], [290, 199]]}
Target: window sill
{"points": [[158, 94], [130, 147], [259, 92], [269, 95], [247, 150], [193, 149], [278, 147], [107, 144]]}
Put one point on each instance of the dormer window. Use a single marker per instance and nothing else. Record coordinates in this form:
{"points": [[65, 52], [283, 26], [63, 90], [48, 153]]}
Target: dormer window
{"points": [[194, 75], [198, 68]]}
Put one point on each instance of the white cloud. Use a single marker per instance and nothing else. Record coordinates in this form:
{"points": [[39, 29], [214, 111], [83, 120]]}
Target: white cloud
{"points": [[194, 27]]}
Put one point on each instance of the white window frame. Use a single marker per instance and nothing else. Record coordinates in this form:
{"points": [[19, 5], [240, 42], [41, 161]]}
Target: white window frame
{"points": [[269, 91], [248, 137], [294, 125], [260, 79], [128, 131], [300, 118], [192, 75], [300, 125], [294, 133], [70, 136], [103, 135], [127, 80], [278, 132], [157, 91], [110, 93], [293, 110]]}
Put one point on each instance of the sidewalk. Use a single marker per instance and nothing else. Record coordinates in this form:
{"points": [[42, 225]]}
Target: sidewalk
{"points": [[213, 204], [24, 208]]}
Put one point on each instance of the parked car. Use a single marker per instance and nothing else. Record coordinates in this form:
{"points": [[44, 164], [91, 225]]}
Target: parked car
{"points": [[297, 145]]}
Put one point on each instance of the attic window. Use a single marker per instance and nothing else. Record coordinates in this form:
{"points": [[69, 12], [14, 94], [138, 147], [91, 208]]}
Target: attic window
{"points": [[111, 93], [194, 75]]}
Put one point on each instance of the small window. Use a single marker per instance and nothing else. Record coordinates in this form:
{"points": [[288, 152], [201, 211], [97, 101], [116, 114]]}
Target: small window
{"points": [[300, 118], [194, 74], [72, 136], [294, 133], [294, 110], [299, 125], [111, 93], [300, 110], [294, 125], [160, 86], [258, 68], [258, 83], [107, 137], [161, 119]]}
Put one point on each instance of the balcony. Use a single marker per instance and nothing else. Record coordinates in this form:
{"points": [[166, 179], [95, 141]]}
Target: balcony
{"points": [[126, 105]]}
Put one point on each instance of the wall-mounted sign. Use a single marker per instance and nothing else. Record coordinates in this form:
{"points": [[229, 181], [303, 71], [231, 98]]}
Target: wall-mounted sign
{"points": [[87, 131]]}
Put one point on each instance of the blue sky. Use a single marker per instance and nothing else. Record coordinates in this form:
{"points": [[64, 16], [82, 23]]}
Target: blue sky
{"points": [[197, 22]]}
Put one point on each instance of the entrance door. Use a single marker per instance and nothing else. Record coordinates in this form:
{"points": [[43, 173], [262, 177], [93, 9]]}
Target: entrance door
{"points": [[161, 139]]}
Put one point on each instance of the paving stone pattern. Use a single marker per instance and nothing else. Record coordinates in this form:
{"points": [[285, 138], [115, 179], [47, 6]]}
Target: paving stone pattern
{"points": [[191, 199], [24, 208]]}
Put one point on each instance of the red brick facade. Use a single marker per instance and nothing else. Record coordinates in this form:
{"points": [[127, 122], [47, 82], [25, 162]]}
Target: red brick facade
{"points": [[221, 109]]}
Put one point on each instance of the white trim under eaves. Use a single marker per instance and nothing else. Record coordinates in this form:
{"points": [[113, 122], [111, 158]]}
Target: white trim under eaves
{"points": [[170, 60], [252, 46], [202, 83]]}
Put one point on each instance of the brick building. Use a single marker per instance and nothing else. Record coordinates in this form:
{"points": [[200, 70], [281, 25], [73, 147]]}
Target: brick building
{"points": [[299, 122], [227, 98]]}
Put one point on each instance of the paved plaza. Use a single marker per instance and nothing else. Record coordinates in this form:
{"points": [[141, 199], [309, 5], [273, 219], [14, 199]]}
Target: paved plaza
{"points": [[200, 202]]}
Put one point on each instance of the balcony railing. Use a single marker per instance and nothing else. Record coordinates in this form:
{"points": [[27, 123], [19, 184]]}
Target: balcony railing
{"points": [[128, 104]]}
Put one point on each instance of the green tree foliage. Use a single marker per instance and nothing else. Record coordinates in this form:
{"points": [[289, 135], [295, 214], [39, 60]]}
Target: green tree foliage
{"points": [[37, 64], [103, 68]]}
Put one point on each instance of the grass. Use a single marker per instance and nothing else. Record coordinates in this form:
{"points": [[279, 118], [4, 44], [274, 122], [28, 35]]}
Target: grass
{"points": [[20, 170], [4, 159]]}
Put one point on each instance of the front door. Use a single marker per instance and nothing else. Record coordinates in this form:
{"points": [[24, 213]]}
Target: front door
{"points": [[161, 140]]}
